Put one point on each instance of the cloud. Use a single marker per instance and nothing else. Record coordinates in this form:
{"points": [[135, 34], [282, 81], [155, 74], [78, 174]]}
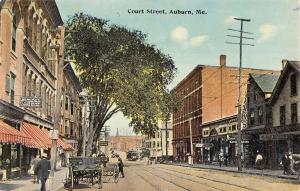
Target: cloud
{"points": [[198, 40], [267, 31], [229, 19], [179, 34]]}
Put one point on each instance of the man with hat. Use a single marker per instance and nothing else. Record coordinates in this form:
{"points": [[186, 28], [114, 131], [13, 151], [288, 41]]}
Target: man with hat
{"points": [[42, 170]]}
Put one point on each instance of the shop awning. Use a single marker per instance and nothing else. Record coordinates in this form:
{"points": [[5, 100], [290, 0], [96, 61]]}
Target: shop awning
{"points": [[40, 138], [9, 134], [64, 145]]}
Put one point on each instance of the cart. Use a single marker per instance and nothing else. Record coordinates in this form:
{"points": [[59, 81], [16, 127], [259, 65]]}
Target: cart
{"points": [[86, 169], [111, 171]]}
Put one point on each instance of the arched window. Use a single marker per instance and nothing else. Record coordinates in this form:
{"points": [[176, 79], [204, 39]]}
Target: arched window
{"points": [[14, 31]]}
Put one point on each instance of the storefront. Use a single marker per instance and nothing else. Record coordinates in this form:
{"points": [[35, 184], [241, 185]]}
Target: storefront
{"points": [[218, 139], [279, 144]]}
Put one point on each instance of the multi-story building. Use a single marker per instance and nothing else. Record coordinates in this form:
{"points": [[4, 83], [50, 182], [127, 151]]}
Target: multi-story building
{"points": [[160, 144], [209, 94], [71, 112], [259, 119], [31, 37], [284, 135]]}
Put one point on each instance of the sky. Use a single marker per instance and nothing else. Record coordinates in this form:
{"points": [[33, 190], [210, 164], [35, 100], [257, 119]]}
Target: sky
{"points": [[201, 38]]}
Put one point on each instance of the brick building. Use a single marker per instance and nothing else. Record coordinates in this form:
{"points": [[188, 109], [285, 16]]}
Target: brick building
{"points": [[209, 94], [71, 112], [124, 143], [31, 33]]}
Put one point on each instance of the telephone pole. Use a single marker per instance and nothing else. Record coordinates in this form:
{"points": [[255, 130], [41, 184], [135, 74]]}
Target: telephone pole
{"points": [[241, 37]]}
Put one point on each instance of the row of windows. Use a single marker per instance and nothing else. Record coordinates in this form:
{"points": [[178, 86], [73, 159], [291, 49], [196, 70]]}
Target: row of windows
{"points": [[294, 114], [37, 37], [256, 115]]}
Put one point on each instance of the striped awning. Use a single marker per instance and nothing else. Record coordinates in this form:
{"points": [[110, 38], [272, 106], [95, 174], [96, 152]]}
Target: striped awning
{"points": [[40, 138], [9, 134], [64, 145]]}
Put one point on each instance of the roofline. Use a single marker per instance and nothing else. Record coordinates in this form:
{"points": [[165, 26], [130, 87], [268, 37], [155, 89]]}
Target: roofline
{"points": [[278, 83], [200, 66]]}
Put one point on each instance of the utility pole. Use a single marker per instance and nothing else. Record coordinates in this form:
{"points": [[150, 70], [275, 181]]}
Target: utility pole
{"points": [[57, 117], [166, 126], [191, 140], [241, 37]]}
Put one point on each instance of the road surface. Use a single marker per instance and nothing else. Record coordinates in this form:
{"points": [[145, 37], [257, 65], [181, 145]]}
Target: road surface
{"points": [[142, 177]]}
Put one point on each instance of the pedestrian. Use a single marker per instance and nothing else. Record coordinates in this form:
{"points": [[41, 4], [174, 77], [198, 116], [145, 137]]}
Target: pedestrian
{"points": [[221, 159], [42, 170], [34, 163], [121, 166], [258, 160], [291, 163], [285, 163]]}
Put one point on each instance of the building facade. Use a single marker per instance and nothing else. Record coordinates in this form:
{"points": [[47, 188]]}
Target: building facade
{"points": [[71, 108], [209, 94], [30, 48], [259, 119], [284, 134], [160, 144]]}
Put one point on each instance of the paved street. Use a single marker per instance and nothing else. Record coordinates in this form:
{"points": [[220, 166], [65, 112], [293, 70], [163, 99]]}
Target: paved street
{"points": [[175, 178]]}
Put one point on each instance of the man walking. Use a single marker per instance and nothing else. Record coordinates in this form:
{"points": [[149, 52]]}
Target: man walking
{"points": [[285, 163], [42, 170], [121, 165], [34, 163]]}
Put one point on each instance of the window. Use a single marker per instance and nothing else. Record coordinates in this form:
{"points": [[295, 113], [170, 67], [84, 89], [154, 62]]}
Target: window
{"points": [[252, 116], [294, 113], [260, 115], [233, 127], [72, 108], [66, 103], [255, 95], [167, 134], [14, 31], [282, 115], [67, 130], [10, 86], [293, 84]]}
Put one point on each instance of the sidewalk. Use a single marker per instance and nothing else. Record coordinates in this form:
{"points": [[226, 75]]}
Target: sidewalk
{"points": [[26, 183], [264, 172]]}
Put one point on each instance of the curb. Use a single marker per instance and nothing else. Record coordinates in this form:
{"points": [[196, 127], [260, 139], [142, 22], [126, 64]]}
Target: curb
{"points": [[234, 171]]}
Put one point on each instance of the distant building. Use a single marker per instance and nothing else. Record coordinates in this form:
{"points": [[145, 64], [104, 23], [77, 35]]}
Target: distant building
{"points": [[124, 143], [161, 140]]}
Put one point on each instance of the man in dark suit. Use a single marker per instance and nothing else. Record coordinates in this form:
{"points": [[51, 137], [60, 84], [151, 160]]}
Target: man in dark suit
{"points": [[121, 165], [42, 170]]}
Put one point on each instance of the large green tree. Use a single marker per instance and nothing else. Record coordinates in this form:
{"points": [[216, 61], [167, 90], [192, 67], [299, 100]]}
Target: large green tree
{"points": [[122, 71]]}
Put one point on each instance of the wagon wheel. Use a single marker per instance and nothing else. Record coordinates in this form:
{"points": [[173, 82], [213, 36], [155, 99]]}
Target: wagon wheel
{"points": [[116, 174]]}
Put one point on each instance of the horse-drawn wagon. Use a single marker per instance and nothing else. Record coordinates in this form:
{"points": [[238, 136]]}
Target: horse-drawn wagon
{"points": [[86, 169]]}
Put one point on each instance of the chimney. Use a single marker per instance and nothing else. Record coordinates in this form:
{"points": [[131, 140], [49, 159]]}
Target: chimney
{"points": [[222, 60], [283, 63]]}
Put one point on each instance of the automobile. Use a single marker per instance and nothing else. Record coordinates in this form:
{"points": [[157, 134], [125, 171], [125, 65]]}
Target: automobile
{"points": [[132, 156]]}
